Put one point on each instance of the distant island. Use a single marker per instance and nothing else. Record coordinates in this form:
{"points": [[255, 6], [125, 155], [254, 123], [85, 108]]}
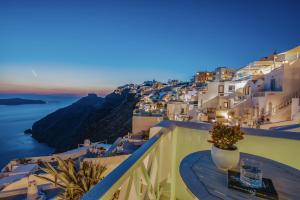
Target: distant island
{"points": [[19, 101]]}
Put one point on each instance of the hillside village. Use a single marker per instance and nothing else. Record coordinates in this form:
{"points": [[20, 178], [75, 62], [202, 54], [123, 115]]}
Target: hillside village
{"points": [[259, 95], [263, 94]]}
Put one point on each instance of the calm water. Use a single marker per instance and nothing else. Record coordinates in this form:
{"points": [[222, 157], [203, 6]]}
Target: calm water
{"points": [[15, 119]]}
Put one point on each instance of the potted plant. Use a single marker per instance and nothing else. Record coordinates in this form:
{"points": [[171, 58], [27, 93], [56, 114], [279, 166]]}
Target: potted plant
{"points": [[224, 153]]}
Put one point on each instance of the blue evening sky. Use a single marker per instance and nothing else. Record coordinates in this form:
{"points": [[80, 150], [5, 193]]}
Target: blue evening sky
{"points": [[69, 46]]}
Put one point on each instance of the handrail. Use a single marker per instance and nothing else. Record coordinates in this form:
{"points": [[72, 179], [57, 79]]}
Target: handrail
{"points": [[103, 186], [286, 101], [248, 131]]}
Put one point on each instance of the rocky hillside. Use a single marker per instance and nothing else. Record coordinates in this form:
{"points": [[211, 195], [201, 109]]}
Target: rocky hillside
{"points": [[91, 117]]}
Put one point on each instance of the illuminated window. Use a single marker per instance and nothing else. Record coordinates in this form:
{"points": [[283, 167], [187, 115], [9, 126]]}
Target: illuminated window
{"points": [[221, 89], [226, 104]]}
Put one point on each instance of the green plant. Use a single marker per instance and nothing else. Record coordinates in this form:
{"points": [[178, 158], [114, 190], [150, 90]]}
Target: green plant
{"points": [[225, 137], [75, 181]]}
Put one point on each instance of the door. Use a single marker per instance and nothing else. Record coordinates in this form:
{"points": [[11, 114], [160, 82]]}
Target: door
{"points": [[270, 108]]}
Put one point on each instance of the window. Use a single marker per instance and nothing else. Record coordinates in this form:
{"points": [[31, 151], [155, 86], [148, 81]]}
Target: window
{"points": [[247, 90], [221, 89], [225, 104], [182, 111], [231, 88]]}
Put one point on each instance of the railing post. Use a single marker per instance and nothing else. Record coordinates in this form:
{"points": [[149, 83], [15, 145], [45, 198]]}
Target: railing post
{"points": [[137, 184], [126, 188], [173, 165], [157, 180]]}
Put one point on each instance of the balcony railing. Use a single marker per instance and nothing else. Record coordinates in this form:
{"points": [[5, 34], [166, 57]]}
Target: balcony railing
{"points": [[292, 57], [152, 172], [259, 94]]}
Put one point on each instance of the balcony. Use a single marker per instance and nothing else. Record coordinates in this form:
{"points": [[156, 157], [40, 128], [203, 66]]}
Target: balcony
{"points": [[152, 171]]}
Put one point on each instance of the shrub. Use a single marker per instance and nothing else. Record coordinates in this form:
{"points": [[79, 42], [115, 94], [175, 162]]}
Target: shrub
{"points": [[225, 137]]}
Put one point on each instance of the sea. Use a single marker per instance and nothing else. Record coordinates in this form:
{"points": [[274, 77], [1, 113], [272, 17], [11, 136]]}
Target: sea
{"points": [[15, 119]]}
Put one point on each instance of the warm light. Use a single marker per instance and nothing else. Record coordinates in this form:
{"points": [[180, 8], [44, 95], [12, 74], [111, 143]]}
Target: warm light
{"points": [[225, 114]]}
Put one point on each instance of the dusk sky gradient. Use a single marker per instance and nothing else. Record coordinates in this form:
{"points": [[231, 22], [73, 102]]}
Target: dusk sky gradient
{"points": [[62, 46]]}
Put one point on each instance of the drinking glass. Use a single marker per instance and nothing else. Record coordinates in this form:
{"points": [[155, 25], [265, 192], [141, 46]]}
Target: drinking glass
{"points": [[251, 173]]}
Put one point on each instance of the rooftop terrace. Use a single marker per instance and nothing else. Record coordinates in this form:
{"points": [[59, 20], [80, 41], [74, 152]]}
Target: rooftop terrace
{"points": [[152, 171]]}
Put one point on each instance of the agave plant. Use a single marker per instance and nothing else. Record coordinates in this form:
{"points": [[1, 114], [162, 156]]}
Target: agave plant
{"points": [[75, 181]]}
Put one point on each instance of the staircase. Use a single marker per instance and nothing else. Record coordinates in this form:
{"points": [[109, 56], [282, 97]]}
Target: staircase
{"points": [[286, 101], [241, 101]]}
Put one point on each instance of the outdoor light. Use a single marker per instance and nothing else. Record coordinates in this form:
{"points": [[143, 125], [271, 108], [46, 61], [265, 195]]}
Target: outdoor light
{"points": [[225, 114]]}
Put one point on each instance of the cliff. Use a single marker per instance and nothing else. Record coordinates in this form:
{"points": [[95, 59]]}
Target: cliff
{"points": [[90, 117]]}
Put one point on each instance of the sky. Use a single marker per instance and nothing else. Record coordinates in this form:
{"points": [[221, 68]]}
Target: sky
{"points": [[64, 46]]}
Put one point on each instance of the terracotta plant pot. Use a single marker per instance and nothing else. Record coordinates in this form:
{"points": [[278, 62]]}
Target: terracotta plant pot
{"points": [[225, 159]]}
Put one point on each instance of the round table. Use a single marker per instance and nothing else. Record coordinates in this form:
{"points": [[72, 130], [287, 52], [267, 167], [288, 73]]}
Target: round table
{"points": [[205, 181]]}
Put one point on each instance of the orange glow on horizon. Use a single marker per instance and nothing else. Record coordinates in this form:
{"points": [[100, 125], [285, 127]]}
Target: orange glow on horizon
{"points": [[14, 89]]}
